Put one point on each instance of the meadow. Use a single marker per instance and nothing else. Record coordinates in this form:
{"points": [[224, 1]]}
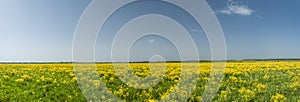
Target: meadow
{"points": [[243, 81]]}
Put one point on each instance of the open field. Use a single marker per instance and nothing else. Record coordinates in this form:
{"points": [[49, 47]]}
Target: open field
{"points": [[243, 81]]}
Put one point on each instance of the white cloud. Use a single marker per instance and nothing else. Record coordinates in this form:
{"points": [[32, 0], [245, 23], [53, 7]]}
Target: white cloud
{"points": [[224, 11], [242, 10], [234, 7], [151, 41]]}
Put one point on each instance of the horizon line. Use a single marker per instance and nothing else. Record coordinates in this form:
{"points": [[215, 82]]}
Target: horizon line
{"points": [[267, 59]]}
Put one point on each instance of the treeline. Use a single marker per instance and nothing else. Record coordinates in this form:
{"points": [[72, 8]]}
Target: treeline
{"points": [[36, 62]]}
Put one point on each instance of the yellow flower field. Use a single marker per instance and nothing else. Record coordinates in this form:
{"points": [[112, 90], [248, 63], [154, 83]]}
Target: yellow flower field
{"points": [[243, 81]]}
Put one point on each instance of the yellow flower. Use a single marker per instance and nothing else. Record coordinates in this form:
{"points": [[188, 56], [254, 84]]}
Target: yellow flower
{"points": [[6, 77], [278, 98], [165, 96], [224, 94], [199, 98], [151, 101], [25, 76], [150, 89], [74, 79], [266, 77], [295, 86], [234, 79], [246, 94], [261, 88], [111, 79], [19, 80]]}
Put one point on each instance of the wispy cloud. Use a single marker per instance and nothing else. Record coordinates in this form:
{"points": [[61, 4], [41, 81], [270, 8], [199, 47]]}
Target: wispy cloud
{"points": [[234, 7], [151, 41]]}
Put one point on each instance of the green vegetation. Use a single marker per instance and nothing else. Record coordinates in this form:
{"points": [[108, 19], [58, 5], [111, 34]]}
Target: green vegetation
{"points": [[243, 81]]}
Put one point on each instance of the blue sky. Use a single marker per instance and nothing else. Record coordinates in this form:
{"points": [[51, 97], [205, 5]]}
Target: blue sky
{"points": [[35, 30]]}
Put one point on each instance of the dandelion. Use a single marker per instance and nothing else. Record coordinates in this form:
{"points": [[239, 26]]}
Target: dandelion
{"points": [[6, 76], [261, 88], [295, 86], [234, 79], [111, 79], [266, 77], [19, 80], [25, 76], [223, 95], [246, 94], [151, 100], [278, 98], [199, 98]]}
